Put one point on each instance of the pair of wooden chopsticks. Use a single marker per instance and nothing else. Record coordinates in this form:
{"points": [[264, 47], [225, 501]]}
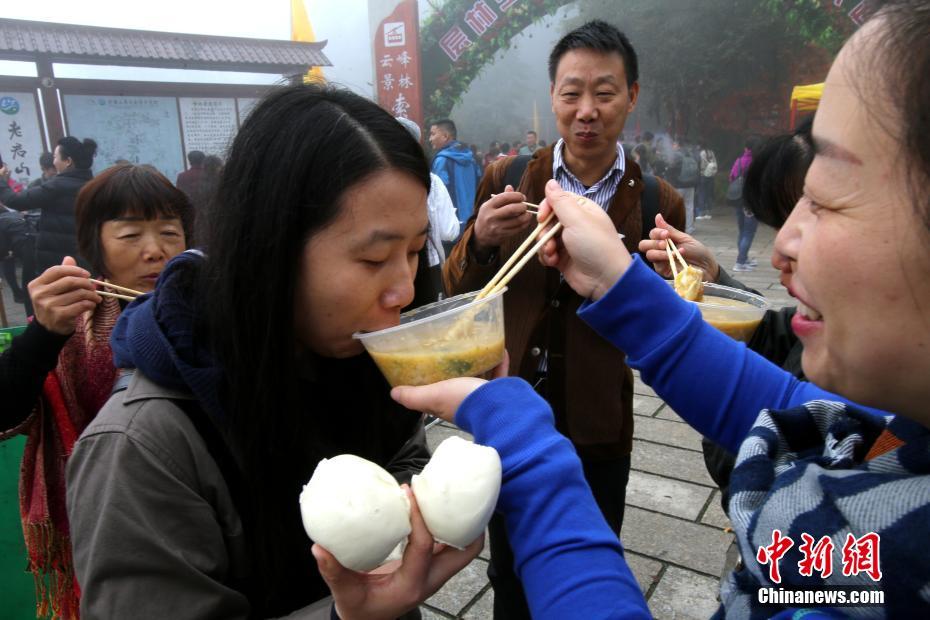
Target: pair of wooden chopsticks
{"points": [[502, 277], [122, 289], [670, 248], [530, 207]]}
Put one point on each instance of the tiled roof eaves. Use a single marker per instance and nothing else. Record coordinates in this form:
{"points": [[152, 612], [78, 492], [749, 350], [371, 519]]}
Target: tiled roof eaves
{"points": [[71, 43]]}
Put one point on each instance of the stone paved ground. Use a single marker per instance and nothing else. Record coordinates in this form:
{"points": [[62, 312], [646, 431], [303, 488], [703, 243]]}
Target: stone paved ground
{"points": [[673, 531], [674, 528]]}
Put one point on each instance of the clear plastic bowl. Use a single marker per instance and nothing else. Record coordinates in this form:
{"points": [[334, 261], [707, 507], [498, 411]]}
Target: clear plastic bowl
{"points": [[455, 337], [734, 312]]}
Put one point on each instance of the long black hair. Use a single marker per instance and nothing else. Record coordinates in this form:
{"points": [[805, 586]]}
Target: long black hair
{"points": [[297, 154]]}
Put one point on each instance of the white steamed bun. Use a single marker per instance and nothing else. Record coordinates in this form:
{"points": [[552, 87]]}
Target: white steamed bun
{"points": [[457, 491], [356, 510]]}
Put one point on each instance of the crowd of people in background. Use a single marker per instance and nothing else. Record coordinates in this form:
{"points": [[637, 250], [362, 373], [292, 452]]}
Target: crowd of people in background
{"points": [[691, 167]]}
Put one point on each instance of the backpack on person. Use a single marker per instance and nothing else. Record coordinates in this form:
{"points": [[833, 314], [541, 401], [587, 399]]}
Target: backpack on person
{"points": [[735, 189], [689, 170], [710, 169]]}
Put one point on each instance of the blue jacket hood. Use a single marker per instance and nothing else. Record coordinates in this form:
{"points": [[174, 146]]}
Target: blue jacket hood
{"points": [[158, 334], [458, 169], [457, 152]]}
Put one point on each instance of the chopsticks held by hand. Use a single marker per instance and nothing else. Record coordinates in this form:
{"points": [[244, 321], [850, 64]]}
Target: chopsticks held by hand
{"points": [[530, 207], [502, 277], [670, 248], [131, 293]]}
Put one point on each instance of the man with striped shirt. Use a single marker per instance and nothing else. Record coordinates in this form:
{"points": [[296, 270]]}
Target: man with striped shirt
{"points": [[593, 73]]}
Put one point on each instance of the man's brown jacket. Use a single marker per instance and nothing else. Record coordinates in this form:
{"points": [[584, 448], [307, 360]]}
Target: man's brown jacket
{"points": [[589, 384]]}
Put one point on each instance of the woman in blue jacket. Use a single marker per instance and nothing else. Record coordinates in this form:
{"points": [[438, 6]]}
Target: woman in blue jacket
{"points": [[853, 253]]}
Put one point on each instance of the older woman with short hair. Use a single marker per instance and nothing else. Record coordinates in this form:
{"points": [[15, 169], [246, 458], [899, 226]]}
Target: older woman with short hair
{"points": [[59, 372]]}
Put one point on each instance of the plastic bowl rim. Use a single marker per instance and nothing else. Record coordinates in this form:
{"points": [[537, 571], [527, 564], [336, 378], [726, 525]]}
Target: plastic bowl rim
{"points": [[766, 304], [362, 336]]}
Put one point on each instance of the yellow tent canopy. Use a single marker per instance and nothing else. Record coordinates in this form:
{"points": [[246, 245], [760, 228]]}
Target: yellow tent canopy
{"points": [[805, 98]]}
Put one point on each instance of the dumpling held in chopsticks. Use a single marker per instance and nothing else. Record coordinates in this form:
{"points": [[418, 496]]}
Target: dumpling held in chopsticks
{"points": [[689, 283]]}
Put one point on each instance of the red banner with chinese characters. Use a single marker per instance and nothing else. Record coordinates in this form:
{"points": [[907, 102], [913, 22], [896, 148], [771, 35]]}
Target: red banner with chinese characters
{"points": [[397, 58]]}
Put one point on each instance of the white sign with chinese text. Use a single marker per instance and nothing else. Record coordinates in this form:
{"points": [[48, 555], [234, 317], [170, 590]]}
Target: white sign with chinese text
{"points": [[142, 130], [20, 136], [209, 124]]}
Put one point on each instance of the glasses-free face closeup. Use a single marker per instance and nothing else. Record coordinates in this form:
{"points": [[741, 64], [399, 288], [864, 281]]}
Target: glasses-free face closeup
{"points": [[854, 250], [135, 250], [61, 163], [357, 273], [438, 137], [591, 100]]}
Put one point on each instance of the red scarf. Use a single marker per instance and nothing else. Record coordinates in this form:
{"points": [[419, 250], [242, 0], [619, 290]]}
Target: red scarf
{"points": [[72, 395]]}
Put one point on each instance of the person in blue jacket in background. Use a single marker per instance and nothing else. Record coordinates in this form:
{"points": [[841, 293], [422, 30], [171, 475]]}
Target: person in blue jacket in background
{"points": [[811, 464], [455, 164]]}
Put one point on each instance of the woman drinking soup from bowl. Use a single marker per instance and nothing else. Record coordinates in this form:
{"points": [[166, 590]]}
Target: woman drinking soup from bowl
{"points": [[247, 375], [811, 466], [56, 375]]}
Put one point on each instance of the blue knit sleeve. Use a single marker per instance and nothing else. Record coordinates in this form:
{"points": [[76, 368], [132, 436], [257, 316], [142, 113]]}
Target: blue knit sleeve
{"points": [[712, 381], [570, 562]]}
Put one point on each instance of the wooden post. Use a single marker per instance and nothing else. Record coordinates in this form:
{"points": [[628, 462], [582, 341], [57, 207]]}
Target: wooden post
{"points": [[49, 93]]}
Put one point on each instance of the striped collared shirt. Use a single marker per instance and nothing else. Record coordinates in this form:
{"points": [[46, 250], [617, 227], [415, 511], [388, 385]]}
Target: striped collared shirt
{"points": [[601, 192]]}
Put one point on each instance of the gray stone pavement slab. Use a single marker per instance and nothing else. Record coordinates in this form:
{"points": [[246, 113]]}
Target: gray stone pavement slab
{"points": [[675, 434], [459, 591], [646, 570], [646, 405], [671, 497], [714, 514], [483, 607], [669, 539], [667, 413], [641, 388], [686, 465], [682, 594]]}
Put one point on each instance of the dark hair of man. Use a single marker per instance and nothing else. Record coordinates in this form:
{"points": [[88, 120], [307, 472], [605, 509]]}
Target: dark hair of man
{"points": [[775, 179], [46, 161], [291, 163], [81, 153], [532, 132], [448, 126], [601, 37], [505, 147], [903, 35], [196, 158], [126, 191]]}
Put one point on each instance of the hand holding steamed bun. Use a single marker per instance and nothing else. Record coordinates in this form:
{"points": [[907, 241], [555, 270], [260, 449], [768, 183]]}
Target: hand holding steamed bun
{"points": [[422, 572]]}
